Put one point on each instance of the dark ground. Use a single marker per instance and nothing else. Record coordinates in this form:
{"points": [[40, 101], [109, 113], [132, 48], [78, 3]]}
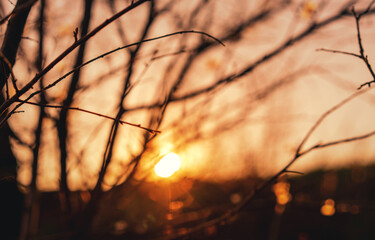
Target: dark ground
{"points": [[142, 214]]}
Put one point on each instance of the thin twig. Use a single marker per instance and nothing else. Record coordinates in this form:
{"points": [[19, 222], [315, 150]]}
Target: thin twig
{"points": [[338, 51], [361, 54], [346, 140], [58, 59], [295, 172], [324, 116], [361, 49], [101, 56], [93, 113], [233, 77], [367, 10], [123, 47], [224, 218]]}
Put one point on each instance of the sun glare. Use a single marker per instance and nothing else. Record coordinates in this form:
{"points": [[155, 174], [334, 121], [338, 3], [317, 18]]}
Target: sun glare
{"points": [[168, 165]]}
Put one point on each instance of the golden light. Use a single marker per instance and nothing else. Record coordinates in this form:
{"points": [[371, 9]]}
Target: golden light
{"points": [[281, 190], [168, 165], [328, 209]]}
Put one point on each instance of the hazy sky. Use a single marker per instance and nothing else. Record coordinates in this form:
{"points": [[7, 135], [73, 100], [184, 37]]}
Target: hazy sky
{"points": [[251, 125]]}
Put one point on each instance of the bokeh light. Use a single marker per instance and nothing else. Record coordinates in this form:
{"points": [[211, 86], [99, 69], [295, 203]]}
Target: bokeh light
{"points": [[328, 208]]}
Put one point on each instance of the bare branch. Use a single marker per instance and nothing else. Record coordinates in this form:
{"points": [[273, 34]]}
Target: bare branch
{"points": [[12, 39], [324, 116], [101, 56], [337, 142], [298, 154], [32, 82], [294, 172], [92, 113], [367, 10], [17, 10], [338, 51], [361, 54], [231, 78], [361, 49]]}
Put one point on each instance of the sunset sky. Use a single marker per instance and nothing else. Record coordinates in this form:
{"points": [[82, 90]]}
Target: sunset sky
{"points": [[251, 125]]}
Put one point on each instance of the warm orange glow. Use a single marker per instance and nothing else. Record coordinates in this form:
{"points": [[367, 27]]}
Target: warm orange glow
{"points": [[309, 8], [328, 209], [281, 190], [175, 205], [168, 165]]}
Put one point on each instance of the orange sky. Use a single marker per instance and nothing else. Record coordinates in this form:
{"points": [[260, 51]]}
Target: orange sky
{"points": [[262, 134]]}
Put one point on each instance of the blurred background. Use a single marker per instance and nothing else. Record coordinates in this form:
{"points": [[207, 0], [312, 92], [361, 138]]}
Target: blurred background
{"points": [[234, 116]]}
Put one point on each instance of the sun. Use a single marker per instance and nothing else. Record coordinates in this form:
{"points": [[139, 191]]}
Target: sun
{"points": [[168, 165]]}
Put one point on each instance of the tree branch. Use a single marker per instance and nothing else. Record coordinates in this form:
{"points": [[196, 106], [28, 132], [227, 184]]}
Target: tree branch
{"points": [[12, 39], [40, 74], [152, 131], [96, 58], [250, 68]]}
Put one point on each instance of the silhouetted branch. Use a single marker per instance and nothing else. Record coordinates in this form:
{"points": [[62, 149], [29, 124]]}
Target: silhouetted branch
{"points": [[62, 123], [225, 217], [298, 152], [324, 116], [92, 207], [15, 11], [12, 39], [109, 157], [361, 49], [40, 74], [361, 54], [31, 199], [96, 58], [152, 131], [294, 172], [338, 51], [367, 10], [128, 46], [251, 67]]}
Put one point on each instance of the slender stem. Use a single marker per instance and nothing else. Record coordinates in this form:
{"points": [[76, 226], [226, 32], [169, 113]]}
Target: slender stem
{"points": [[153, 131], [40, 74]]}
